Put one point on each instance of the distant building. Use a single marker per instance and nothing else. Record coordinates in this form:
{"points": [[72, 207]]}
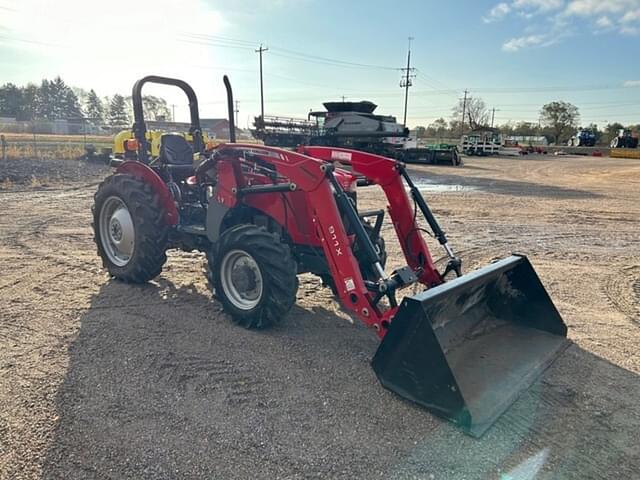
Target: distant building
{"points": [[57, 127], [214, 127]]}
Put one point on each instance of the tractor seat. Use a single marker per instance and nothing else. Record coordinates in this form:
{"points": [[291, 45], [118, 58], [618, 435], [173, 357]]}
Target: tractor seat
{"points": [[177, 155]]}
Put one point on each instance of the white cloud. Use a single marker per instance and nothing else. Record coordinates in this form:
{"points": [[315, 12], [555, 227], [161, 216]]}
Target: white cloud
{"points": [[631, 16], [622, 15], [604, 22], [497, 13], [628, 30], [523, 8], [529, 41], [539, 5], [547, 21], [631, 83], [587, 8]]}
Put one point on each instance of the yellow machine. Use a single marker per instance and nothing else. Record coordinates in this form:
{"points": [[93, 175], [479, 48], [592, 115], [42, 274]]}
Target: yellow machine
{"points": [[125, 145]]}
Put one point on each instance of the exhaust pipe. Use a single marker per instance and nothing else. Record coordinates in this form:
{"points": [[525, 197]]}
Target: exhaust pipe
{"points": [[232, 123]]}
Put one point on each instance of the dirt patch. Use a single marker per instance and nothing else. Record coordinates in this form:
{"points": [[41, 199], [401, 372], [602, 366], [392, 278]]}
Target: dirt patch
{"points": [[104, 380], [17, 173]]}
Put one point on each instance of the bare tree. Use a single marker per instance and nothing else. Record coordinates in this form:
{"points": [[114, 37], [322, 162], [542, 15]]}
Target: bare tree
{"points": [[154, 108], [476, 112]]}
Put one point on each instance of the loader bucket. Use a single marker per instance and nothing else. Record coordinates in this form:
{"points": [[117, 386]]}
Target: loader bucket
{"points": [[467, 348]]}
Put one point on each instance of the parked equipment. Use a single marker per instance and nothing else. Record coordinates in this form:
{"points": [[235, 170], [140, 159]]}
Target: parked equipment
{"points": [[463, 348], [352, 125], [282, 131], [583, 138], [125, 145], [439, 153], [625, 139], [482, 141]]}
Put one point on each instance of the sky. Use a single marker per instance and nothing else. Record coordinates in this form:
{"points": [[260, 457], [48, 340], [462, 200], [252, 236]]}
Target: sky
{"points": [[516, 55]]}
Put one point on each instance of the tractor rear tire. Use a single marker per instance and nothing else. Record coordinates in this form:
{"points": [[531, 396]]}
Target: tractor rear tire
{"points": [[254, 276], [129, 229]]}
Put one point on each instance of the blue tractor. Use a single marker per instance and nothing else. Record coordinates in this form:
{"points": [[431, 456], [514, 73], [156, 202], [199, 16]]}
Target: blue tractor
{"points": [[584, 138]]}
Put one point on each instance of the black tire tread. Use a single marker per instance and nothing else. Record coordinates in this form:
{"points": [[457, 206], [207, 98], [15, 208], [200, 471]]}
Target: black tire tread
{"points": [[278, 269], [151, 229]]}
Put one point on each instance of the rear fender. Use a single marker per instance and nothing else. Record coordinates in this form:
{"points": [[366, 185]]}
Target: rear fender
{"points": [[145, 173]]}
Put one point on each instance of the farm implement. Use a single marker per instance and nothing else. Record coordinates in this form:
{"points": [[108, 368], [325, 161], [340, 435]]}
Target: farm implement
{"points": [[464, 348]]}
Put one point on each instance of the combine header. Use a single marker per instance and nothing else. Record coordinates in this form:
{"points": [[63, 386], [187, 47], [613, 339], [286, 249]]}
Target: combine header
{"points": [[353, 125], [464, 348]]}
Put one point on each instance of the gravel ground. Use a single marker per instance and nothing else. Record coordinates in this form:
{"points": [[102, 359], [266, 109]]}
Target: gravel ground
{"points": [[104, 380]]}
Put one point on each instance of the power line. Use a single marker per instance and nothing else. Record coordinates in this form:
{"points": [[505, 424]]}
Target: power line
{"points": [[430, 81], [506, 90], [215, 44], [219, 38], [225, 42], [337, 62]]}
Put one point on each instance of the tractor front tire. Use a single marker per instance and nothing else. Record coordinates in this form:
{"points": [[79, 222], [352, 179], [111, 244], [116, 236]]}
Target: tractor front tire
{"points": [[129, 228], [254, 275]]}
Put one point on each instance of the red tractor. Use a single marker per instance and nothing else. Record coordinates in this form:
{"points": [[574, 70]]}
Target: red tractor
{"points": [[463, 348]]}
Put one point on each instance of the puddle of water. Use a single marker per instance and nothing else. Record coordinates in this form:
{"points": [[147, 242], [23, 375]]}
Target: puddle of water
{"points": [[426, 186]]}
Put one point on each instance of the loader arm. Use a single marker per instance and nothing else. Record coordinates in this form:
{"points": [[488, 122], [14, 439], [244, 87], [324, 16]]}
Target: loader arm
{"points": [[386, 173]]}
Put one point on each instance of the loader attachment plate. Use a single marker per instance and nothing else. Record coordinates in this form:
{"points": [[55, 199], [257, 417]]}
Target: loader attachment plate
{"points": [[467, 348]]}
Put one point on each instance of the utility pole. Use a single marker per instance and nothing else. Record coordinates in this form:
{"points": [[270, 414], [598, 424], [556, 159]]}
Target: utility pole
{"points": [[173, 112], [3, 142], [493, 114], [406, 81], [464, 111], [236, 112], [260, 51]]}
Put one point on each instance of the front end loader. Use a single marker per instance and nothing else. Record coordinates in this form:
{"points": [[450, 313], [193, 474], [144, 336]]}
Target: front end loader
{"points": [[464, 348]]}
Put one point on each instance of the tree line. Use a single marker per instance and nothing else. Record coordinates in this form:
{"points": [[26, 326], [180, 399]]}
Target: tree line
{"points": [[55, 100], [558, 122]]}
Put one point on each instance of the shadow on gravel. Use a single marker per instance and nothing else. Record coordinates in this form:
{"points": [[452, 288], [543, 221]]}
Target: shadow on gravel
{"points": [[161, 385], [502, 187]]}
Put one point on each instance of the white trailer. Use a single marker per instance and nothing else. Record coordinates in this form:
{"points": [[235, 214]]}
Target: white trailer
{"points": [[481, 142]]}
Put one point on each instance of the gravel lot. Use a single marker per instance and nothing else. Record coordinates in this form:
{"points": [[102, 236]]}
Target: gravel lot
{"points": [[104, 380]]}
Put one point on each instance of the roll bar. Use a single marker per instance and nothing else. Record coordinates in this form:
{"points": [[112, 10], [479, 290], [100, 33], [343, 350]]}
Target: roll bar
{"points": [[139, 126]]}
